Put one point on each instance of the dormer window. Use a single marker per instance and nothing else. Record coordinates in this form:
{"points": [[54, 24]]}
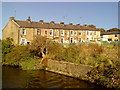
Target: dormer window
{"points": [[23, 31]]}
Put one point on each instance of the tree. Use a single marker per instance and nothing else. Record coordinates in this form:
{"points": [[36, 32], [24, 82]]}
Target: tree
{"points": [[92, 26], [101, 29], [113, 29], [6, 47], [38, 46]]}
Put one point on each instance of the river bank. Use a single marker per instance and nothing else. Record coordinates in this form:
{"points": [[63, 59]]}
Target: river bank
{"points": [[90, 61]]}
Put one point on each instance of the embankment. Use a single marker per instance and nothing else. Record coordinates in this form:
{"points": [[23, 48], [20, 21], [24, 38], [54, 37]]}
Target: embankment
{"points": [[67, 68]]}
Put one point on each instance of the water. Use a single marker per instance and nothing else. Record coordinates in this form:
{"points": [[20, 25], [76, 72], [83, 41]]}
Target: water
{"points": [[16, 78]]}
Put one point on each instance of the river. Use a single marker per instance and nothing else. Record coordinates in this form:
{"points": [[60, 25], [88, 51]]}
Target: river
{"points": [[16, 78]]}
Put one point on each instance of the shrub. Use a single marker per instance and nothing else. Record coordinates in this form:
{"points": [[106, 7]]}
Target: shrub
{"points": [[6, 47], [29, 64], [18, 53]]}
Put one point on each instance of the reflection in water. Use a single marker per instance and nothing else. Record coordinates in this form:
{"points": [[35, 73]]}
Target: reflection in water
{"points": [[16, 78]]}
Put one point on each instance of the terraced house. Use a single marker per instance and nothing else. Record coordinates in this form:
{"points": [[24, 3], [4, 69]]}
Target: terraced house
{"points": [[110, 36], [24, 31]]}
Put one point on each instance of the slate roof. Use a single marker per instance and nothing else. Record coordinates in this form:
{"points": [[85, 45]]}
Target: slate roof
{"points": [[108, 33], [33, 24]]}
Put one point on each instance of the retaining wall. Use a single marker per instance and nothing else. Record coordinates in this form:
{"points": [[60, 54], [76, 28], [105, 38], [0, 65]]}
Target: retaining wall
{"points": [[66, 68]]}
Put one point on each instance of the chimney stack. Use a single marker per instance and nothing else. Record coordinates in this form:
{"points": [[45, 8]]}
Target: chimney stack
{"points": [[41, 21], [52, 22], [70, 24], [78, 24], [29, 20], [11, 18], [61, 22]]}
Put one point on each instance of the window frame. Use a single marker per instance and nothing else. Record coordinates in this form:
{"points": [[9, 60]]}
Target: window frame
{"points": [[72, 32], [116, 35], [37, 31], [22, 41], [23, 31], [62, 40], [80, 33], [51, 32], [62, 32], [45, 32]]}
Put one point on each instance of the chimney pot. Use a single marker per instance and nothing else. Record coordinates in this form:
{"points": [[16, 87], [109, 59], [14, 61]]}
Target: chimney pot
{"points": [[29, 20], [70, 24]]}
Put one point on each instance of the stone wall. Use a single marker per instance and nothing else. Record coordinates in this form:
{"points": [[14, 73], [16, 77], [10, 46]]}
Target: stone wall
{"points": [[66, 68]]}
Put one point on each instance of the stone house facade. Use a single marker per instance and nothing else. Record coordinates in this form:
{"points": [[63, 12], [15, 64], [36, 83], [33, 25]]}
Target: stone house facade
{"points": [[24, 31]]}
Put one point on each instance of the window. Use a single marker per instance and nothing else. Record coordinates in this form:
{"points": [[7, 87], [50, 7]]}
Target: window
{"points": [[62, 40], [95, 33], [71, 40], [87, 33], [46, 32], [109, 39], [23, 41], [116, 40], [38, 31], [116, 35], [79, 39], [23, 31], [28, 42], [80, 33], [57, 33], [71, 32], [75, 33], [62, 33], [51, 32], [87, 39], [90, 33]]}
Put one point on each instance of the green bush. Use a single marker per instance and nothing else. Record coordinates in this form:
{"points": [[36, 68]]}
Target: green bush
{"points": [[6, 47], [29, 64]]}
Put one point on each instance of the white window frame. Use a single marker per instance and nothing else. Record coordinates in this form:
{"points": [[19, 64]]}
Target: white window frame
{"points": [[91, 33], [24, 31], [80, 32], [51, 30], [57, 32], [72, 40], [75, 33], [87, 32], [95, 33], [116, 35], [22, 40], [37, 31], [62, 32], [72, 32], [61, 39]]}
